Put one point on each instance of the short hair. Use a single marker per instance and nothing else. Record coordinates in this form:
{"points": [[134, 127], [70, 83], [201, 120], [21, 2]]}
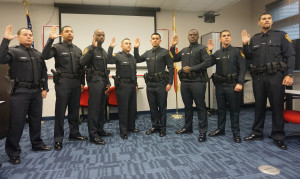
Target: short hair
{"points": [[19, 31], [98, 30], [63, 28], [194, 30], [125, 39], [224, 31], [265, 13], [155, 33]]}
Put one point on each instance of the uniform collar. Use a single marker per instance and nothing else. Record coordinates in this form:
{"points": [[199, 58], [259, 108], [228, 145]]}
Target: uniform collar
{"points": [[191, 45], [228, 48], [25, 48], [265, 34], [67, 44], [153, 50], [125, 54]]}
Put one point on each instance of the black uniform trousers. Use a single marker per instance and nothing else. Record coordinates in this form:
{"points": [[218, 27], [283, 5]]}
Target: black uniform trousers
{"points": [[269, 86], [126, 98], [22, 104], [68, 93], [225, 94], [194, 91], [157, 99], [96, 107]]}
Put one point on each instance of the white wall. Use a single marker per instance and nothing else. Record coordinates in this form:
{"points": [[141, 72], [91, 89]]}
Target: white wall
{"points": [[242, 15]]}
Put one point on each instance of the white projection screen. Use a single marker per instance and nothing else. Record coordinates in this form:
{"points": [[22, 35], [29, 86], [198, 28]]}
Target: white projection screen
{"points": [[128, 23]]}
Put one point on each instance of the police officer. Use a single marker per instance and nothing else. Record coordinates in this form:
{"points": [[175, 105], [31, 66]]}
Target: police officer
{"points": [[158, 81], [69, 82], [29, 80], [126, 86], [195, 59], [94, 58], [273, 63], [228, 80]]}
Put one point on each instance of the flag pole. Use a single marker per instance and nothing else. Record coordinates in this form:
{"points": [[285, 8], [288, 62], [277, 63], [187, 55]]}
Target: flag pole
{"points": [[176, 115]]}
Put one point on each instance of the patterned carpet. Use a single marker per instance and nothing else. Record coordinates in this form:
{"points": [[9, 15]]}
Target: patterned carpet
{"points": [[142, 156]]}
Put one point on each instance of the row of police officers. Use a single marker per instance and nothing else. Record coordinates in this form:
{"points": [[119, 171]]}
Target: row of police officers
{"points": [[273, 62]]}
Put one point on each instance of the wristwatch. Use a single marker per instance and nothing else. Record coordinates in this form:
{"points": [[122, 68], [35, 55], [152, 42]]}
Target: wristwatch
{"points": [[290, 75]]}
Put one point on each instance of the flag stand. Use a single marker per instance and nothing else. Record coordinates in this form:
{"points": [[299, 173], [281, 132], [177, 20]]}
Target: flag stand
{"points": [[177, 115]]}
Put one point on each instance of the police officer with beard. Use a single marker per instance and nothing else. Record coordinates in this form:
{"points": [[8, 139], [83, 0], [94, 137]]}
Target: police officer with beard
{"points": [[126, 86], [273, 58], [195, 59], [228, 80], [69, 82], [158, 81], [29, 85], [94, 58]]}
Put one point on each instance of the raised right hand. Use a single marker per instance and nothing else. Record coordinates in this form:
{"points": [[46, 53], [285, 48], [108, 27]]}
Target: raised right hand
{"points": [[113, 42], [52, 34], [245, 37], [174, 40], [94, 42], [8, 33], [210, 44], [137, 42]]}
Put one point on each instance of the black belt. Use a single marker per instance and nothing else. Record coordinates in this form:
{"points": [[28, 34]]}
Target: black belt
{"points": [[69, 75], [29, 85], [126, 81], [100, 73]]}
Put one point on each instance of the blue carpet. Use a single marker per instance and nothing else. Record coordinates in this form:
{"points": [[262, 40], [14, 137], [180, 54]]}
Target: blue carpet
{"points": [[142, 156]]}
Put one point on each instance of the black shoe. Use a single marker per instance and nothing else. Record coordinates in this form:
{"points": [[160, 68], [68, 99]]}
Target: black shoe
{"points": [[151, 131], [183, 131], [98, 141], [217, 132], [254, 137], [58, 146], [104, 134], [162, 133], [124, 136], [79, 138], [280, 144], [134, 130], [202, 137], [237, 138], [15, 160], [42, 148]]}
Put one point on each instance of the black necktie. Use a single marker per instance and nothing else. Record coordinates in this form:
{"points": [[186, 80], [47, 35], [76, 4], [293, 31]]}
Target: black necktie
{"points": [[73, 59], [35, 66], [225, 61], [188, 56], [153, 61]]}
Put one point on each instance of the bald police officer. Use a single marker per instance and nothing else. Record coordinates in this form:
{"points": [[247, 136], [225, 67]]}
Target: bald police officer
{"points": [[195, 59], [28, 74], [94, 58]]}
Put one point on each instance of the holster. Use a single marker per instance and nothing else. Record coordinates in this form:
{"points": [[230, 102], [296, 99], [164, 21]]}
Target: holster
{"points": [[56, 75], [117, 81], [11, 85]]}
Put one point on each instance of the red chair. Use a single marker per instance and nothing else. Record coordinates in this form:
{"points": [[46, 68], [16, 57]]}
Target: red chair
{"points": [[112, 100], [84, 102], [292, 116]]}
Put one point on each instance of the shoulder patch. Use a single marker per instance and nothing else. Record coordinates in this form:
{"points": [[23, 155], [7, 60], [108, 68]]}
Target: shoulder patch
{"points": [[171, 54], [242, 53], [208, 51], [288, 37], [114, 55], [85, 51]]}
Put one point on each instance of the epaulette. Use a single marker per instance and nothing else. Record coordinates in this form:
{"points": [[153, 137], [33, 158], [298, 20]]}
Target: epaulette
{"points": [[16, 46]]}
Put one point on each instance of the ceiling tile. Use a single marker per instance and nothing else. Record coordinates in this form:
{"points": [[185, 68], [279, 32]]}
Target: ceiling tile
{"points": [[96, 2], [123, 2], [147, 3]]}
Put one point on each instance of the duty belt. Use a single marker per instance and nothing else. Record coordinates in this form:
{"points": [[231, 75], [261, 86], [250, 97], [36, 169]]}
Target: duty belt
{"points": [[99, 73], [124, 80], [270, 68], [29, 85], [69, 75], [156, 77], [230, 78]]}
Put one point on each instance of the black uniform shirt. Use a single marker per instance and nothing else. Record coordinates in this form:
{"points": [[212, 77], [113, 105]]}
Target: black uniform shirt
{"points": [[25, 64], [67, 57], [196, 56], [274, 46], [125, 64], [157, 60], [230, 60]]}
